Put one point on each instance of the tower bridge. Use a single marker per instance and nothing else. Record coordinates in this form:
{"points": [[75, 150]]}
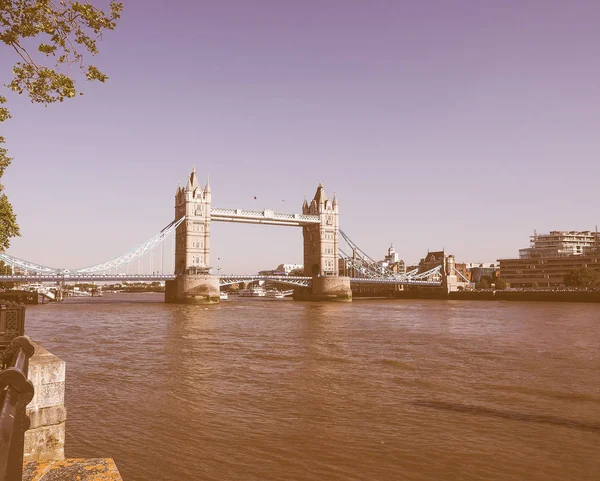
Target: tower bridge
{"points": [[192, 280]]}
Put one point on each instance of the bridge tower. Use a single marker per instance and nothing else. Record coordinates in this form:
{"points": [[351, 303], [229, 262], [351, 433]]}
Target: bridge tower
{"points": [[321, 240], [192, 244], [321, 251], [193, 283]]}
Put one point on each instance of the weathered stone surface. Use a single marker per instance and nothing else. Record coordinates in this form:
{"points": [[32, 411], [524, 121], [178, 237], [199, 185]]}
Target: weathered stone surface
{"points": [[94, 469], [46, 395], [193, 289], [45, 439], [47, 373], [47, 416], [45, 443], [334, 288]]}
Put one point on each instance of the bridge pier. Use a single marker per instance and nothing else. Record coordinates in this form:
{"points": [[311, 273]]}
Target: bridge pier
{"points": [[334, 288], [193, 289]]}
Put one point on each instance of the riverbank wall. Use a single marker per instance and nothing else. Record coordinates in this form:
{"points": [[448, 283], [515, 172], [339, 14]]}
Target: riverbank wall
{"points": [[20, 297], [513, 296], [538, 296]]}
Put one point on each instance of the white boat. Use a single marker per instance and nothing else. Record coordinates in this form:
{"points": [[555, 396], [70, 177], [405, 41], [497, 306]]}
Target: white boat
{"points": [[223, 296], [274, 293], [253, 292]]}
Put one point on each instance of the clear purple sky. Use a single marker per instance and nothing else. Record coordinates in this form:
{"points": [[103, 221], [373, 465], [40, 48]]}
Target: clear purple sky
{"points": [[462, 124]]}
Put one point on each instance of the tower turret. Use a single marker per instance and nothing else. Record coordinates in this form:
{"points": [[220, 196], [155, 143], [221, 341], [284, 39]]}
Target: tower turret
{"points": [[305, 207], [207, 191]]}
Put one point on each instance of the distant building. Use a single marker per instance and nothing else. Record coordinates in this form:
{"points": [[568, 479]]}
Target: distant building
{"points": [[431, 260], [287, 268], [359, 267], [550, 257], [270, 272], [392, 262], [561, 244], [439, 258], [392, 256], [479, 270], [398, 267], [464, 272], [282, 270]]}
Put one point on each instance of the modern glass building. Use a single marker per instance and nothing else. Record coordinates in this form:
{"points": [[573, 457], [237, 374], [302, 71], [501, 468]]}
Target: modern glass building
{"points": [[550, 257]]}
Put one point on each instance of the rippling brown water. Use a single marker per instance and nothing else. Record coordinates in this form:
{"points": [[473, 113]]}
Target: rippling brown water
{"points": [[373, 390]]}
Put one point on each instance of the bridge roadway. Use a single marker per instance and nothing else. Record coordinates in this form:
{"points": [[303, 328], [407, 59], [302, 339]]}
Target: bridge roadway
{"points": [[267, 217], [224, 279]]}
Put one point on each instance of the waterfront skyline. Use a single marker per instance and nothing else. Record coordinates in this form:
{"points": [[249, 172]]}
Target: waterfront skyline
{"points": [[455, 126]]}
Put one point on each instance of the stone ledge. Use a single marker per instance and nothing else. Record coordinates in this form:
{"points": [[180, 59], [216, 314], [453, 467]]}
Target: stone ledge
{"points": [[47, 416], [76, 469]]}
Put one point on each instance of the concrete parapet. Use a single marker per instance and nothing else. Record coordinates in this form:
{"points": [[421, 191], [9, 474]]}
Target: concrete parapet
{"points": [[94, 469], [193, 289], [333, 288], [45, 439]]}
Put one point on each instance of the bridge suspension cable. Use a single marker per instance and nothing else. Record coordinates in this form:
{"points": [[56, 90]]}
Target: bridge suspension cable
{"points": [[132, 254], [17, 263], [366, 267], [365, 264], [126, 258]]}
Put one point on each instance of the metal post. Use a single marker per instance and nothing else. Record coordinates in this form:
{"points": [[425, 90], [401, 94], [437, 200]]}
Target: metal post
{"points": [[17, 392]]}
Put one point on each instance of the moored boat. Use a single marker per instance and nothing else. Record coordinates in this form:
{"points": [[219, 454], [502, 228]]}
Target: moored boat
{"points": [[253, 292], [274, 293]]}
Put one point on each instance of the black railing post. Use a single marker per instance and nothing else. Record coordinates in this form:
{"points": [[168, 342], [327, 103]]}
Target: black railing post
{"points": [[16, 391]]}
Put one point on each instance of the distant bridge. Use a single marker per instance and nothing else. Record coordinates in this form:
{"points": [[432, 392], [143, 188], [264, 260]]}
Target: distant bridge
{"points": [[323, 257], [224, 280]]}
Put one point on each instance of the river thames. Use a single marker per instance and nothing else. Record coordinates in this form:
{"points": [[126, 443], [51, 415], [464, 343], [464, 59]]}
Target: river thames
{"points": [[370, 390]]}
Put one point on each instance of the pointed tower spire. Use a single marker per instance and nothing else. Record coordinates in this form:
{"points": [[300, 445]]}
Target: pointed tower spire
{"points": [[207, 186], [320, 196], [193, 180], [335, 199]]}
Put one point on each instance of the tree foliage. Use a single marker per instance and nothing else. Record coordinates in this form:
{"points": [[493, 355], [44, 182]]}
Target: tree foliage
{"points": [[582, 277], [47, 37], [500, 283]]}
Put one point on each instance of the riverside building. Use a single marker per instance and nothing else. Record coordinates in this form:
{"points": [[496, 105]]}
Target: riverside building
{"points": [[550, 257]]}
